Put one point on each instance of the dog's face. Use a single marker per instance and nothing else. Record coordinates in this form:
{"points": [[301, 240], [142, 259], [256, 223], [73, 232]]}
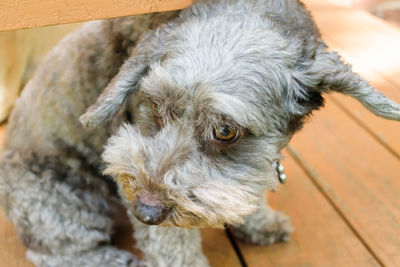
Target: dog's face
{"points": [[213, 104], [209, 121], [197, 155]]}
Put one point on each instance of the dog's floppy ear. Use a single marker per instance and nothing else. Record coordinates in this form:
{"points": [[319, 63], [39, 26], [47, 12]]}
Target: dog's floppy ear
{"points": [[124, 83], [328, 72]]}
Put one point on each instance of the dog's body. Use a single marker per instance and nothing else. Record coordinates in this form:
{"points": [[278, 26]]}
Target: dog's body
{"points": [[204, 100]]}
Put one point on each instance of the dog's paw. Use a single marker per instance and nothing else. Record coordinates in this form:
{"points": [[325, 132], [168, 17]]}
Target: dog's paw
{"points": [[276, 228]]}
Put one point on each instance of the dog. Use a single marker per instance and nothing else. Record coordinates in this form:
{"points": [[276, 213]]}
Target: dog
{"points": [[178, 116], [21, 52]]}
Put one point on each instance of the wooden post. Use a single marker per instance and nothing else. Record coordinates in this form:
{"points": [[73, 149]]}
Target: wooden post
{"points": [[33, 13]]}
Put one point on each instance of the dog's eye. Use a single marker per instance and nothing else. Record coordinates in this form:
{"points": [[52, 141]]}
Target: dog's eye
{"points": [[156, 110], [226, 134]]}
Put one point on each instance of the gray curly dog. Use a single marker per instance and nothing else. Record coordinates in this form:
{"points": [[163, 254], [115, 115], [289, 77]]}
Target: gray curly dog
{"points": [[197, 106]]}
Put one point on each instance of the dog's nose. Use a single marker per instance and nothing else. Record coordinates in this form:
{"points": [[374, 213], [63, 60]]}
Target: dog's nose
{"points": [[149, 214]]}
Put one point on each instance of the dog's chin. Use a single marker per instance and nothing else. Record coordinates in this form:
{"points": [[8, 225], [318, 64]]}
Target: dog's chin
{"points": [[211, 219], [213, 209], [192, 223]]}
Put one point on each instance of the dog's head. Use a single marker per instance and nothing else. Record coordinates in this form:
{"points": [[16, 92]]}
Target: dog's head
{"points": [[214, 99]]}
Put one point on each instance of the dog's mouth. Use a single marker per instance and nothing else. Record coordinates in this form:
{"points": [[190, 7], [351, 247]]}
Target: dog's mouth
{"points": [[207, 205]]}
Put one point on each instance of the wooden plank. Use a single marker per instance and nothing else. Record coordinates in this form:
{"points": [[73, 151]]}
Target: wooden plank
{"points": [[358, 175], [12, 253], [362, 35], [34, 13], [321, 237], [218, 249], [385, 131]]}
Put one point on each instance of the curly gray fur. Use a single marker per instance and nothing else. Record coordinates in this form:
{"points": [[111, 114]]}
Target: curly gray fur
{"points": [[257, 66]]}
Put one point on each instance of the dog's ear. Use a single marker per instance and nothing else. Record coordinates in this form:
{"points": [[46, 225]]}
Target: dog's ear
{"points": [[120, 87], [327, 72]]}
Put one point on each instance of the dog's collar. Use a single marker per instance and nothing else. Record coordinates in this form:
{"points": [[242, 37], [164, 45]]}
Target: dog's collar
{"points": [[280, 171]]}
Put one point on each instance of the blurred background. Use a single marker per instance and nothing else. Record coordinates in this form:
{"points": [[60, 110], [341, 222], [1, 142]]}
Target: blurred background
{"points": [[388, 10]]}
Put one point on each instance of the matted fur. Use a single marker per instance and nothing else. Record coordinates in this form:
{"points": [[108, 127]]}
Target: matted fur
{"points": [[258, 66]]}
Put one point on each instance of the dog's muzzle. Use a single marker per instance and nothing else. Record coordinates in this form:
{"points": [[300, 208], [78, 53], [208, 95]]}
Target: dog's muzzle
{"points": [[149, 214]]}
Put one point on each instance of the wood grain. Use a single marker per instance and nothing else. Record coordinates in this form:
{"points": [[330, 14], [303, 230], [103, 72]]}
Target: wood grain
{"points": [[378, 33], [34, 13], [357, 174], [385, 131], [218, 249], [321, 237], [373, 41]]}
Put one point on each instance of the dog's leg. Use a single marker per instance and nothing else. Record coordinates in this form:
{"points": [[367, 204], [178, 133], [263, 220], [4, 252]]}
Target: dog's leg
{"points": [[169, 246], [62, 218], [265, 226]]}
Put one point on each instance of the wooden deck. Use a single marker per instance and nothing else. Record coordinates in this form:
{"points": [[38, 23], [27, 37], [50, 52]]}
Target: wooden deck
{"points": [[343, 168]]}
